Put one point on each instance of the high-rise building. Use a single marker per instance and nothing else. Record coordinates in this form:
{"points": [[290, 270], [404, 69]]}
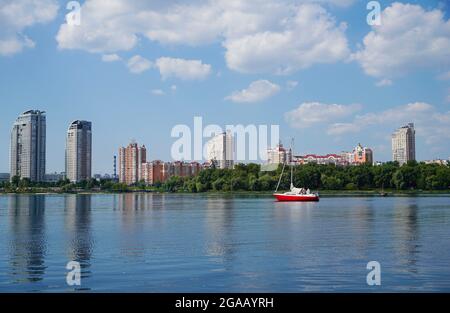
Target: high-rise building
{"points": [[404, 144], [220, 150], [27, 150], [279, 155], [131, 159], [362, 155], [79, 151], [152, 172]]}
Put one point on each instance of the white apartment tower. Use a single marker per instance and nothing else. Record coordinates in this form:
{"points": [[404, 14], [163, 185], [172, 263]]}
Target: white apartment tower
{"points": [[27, 148], [404, 144], [220, 150], [79, 151], [279, 155]]}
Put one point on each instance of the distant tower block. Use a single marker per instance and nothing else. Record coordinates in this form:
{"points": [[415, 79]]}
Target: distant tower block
{"points": [[115, 167]]}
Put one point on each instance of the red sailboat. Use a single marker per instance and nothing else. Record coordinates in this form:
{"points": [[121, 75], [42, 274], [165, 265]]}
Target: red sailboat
{"points": [[294, 194]]}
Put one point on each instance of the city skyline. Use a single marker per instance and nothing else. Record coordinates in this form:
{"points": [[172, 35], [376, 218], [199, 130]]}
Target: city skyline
{"points": [[133, 158], [144, 80]]}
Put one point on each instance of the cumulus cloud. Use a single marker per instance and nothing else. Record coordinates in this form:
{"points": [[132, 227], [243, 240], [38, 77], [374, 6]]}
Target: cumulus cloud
{"points": [[310, 113], [182, 69], [138, 64], [257, 91], [277, 36], [16, 16], [309, 37], [434, 126], [408, 38], [111, 58]]}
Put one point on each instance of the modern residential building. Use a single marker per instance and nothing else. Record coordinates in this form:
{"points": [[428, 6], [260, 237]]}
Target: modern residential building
{"points": [[404, 144], [437, 161], [152, 172], [220, 150], [362, 155], [131, 159], [359, 155], [159, 171], [27, 149], [279, 155], [319, 159], [79, 151]]}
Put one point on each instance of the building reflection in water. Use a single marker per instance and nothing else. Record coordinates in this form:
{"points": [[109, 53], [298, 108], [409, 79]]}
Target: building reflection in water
{"points": [[78, 228], [28, 246], [132, 207], [406, 233], [219, 225]]}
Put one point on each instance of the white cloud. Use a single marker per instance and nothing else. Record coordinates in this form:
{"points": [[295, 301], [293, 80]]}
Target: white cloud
{"points": [[173, 88], [277, 35], [182, 69], [138, 64], [430, 124], [408, 38], [111, 58], [16, 16], [158, 92], [342, 128], [384, 82], [257, 91], [308, 37], [310, 113]]}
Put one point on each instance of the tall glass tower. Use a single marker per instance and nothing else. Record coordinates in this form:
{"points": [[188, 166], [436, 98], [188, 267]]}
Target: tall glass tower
{"points": [[27, 149]]}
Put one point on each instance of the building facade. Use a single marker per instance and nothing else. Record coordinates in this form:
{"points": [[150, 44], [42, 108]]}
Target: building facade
{"points": [[28, 146], [362, 155], [131, 159], [404, 144], [279, 155], [220, 151], [79, 151], [319, 159], [152, 172], [159, 171]]}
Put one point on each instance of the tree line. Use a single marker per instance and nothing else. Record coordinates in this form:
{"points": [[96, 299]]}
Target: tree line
{"points": [[249, 177]]}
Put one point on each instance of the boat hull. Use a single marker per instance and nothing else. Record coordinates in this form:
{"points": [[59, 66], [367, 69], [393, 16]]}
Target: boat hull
{"points": [[297, 198]]}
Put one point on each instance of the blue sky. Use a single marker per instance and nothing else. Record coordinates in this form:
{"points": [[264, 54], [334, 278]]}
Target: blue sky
{"points": [[316, 68]]}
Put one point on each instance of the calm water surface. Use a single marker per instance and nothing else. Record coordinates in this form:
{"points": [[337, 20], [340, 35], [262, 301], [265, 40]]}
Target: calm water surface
{"points": [[201, 243]]}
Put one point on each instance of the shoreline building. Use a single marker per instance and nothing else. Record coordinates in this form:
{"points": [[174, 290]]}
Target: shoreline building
{"points": [[279, 155], [359, 155], [28, 146], [319, 159], [79, 151], [131, 159], [220, 150], [159, 171], [404, 144]]}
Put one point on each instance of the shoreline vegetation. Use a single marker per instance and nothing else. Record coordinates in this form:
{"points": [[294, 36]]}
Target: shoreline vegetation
{"points": [[247, 179]]}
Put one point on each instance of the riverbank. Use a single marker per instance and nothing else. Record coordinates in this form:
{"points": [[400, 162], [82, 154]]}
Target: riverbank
{"points": [[323, 193]]}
